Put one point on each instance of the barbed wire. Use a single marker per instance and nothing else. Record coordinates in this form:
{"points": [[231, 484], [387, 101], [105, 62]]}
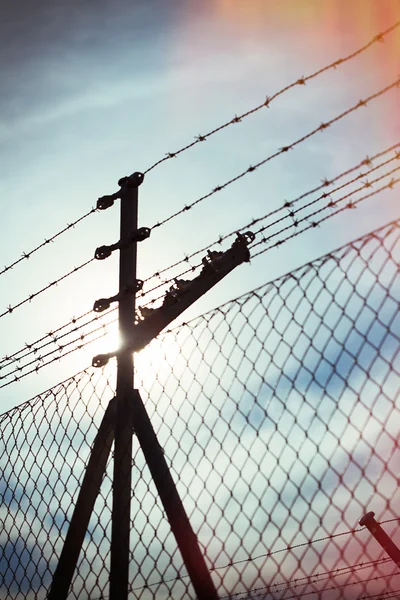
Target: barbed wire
{"points": [[59, 349], [334, 587], [11, 309], [293, 225], [250, 169], [331, 203], [315, 578], [34, 348], [283, 150], [383, 595], [201, 138], [350, 205], [40, 366], [325, 183], [267, 102], [313, 224], [268, 554], [328, 575], [26, 255]]}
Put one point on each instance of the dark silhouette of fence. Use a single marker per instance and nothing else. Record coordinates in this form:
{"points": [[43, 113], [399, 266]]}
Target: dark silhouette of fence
{"points": [[278, 415]]}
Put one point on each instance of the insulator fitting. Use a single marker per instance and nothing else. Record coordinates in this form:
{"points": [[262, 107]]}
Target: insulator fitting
{"points": [[136, 287], [106, 201], [138, 235], [103, 252], [100, 360], [141, 234], [102, 304], [132, 181]]}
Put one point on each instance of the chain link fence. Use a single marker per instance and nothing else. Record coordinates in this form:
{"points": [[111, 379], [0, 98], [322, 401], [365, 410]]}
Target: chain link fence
{"points": [[279, 418]]}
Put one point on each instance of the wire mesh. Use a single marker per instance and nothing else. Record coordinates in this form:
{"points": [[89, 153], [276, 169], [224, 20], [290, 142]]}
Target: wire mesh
{"points": [[279, 419]]}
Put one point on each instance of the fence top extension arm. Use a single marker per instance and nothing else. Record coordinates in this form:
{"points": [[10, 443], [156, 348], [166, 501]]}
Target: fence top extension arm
{"points": [[216, 265]]}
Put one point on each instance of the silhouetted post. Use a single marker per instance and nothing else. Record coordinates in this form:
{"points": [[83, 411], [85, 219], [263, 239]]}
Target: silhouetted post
{"points": [[120, 528], [381, 537], [84, 505]]}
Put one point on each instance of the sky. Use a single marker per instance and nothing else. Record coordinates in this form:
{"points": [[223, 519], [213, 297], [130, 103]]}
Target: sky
{"points": [[91, 93], [277, 414]]}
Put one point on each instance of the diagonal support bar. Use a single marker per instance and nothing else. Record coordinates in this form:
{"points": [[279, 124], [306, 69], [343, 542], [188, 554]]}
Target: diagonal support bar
{"points": [[84, 505], [178, 519]]}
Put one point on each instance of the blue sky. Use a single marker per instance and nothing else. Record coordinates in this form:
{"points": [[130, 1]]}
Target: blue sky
{"points": [[91, 94]]}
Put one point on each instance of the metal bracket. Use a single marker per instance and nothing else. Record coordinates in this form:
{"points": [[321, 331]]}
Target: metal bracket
{"points": [[139, 235], [133, 180], [101, 360], [104, 303]]}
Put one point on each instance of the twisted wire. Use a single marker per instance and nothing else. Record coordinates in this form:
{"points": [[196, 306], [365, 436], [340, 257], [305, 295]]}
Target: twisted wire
{"points": [[26, 255], [283, 150], [334, 587], [11, 309], [40, 365], [295, 223], [201, 138], [267, 102], [34, 347], [325, 183], [59, 349], [317, 578], [268, 554], [330, 204], [350, 205]]}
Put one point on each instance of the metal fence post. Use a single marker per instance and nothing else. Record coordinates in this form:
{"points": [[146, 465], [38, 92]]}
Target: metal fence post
{"points": [[381, 537], [120, 528]]}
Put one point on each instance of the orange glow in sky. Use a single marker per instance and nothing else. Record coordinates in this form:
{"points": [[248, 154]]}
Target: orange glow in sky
{"points": [[360, 19]]}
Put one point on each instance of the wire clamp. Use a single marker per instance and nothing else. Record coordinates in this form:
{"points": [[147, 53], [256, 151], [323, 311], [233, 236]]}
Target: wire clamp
{"points": [[138, 235], [100, 360], [131, 181], [104, 303], [106, 201]]}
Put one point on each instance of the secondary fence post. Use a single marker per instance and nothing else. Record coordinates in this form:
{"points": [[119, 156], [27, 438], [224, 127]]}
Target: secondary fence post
{"points": [[381, 537], [120, 528]]}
